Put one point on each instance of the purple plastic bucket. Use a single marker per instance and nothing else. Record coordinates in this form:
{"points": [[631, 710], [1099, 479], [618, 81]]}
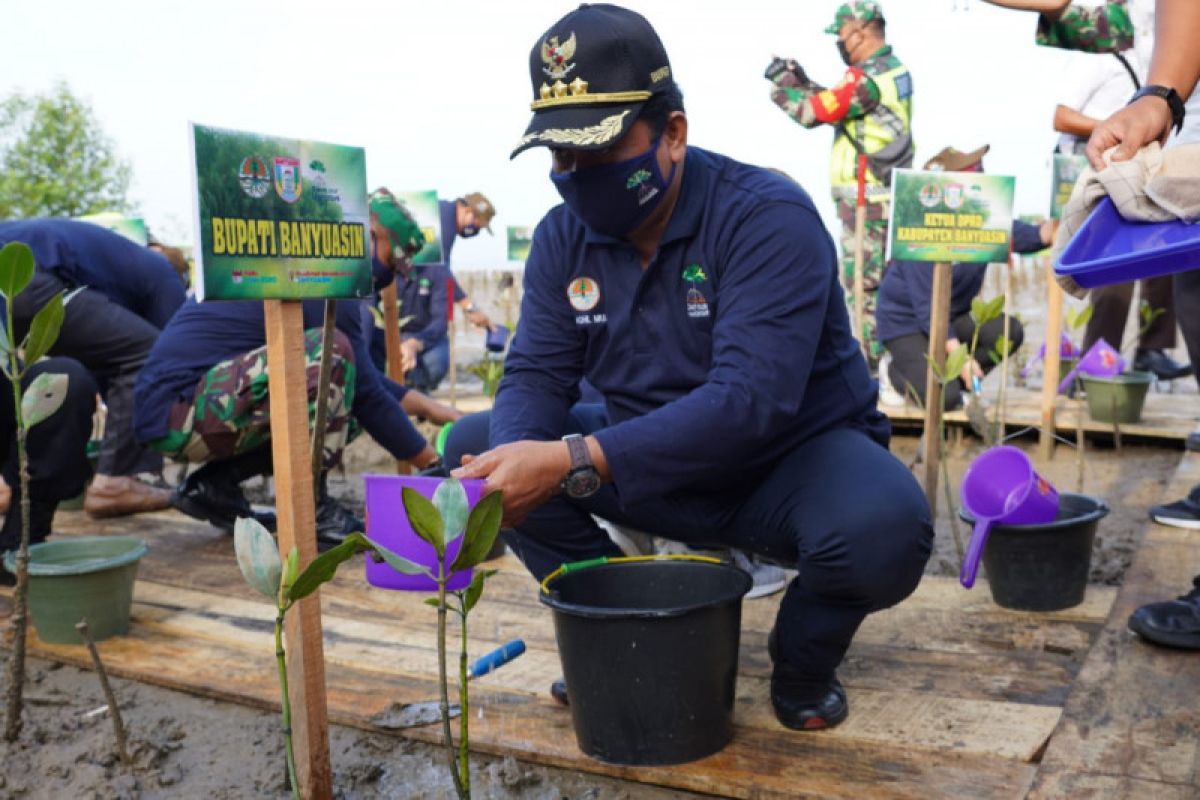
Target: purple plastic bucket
{"points": [[387, 524], [1001, 487], [1107, 249]]}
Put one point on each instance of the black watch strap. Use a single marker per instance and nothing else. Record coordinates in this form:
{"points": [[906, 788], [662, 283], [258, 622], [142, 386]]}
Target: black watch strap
{"points": [[1174, 102], [577, 447]]}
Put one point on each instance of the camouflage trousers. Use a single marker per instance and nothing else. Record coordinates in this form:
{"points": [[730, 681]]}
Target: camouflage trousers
{"points": [[230, 412], [874, 264]]}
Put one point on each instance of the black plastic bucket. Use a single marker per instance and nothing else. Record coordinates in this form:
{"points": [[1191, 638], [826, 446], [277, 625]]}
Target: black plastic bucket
{"points": [[649, 652], [1043, 567]]}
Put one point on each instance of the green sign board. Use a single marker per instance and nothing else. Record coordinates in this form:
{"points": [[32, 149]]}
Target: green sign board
{"points": [[1067, 169], [424, 209], [520, 237], [279, 219], [132, 228], [950, 216]]}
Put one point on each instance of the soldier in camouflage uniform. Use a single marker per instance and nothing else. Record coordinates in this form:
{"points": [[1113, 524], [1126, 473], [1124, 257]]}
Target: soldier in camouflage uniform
{"points": [[1100, 28], [870, 109]]}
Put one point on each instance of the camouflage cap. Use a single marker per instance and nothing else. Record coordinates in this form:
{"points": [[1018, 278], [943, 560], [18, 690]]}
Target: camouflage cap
{"points": [[483, 208], [861, 10], [405, 233]]}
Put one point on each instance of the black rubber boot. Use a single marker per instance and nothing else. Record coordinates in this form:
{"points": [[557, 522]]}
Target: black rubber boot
{"points": [[802, 701], [334, 521], [213, 493], [41, 518]]}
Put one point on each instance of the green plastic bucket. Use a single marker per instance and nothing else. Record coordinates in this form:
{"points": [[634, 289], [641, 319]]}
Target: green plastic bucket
{"points": [[72, 579], [1119, 398]]}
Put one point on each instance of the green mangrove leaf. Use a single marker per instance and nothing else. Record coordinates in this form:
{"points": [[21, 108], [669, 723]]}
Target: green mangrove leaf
{"points": [[44, 395], [399, 562], [324, 567], [977, 309], [291, 569], [475, 590], [450, 499], [482, 527], [433, 601], [425, 520], [257, 556], [955, 363], [43, 330], [1080, 318], [994, 308], [16, 268]]}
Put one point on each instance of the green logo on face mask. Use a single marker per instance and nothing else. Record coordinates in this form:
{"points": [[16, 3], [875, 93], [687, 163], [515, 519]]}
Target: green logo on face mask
{"points": [[637, 179]]}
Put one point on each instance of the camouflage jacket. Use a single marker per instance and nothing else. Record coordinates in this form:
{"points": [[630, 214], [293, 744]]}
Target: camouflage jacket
{"points": [[1099, 29], [853, 97]]}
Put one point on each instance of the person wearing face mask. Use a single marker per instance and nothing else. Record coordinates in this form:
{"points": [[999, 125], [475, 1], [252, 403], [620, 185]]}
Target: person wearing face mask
{"points": [[464, 218], [700, 297], [203, 393], [870, 110]]}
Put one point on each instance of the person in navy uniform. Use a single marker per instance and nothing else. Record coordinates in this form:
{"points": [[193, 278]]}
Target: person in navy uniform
{"points": [[700, 296]]}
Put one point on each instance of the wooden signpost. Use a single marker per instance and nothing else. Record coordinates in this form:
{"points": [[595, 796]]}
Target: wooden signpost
{"points": [[276, 224], [943, 218]]}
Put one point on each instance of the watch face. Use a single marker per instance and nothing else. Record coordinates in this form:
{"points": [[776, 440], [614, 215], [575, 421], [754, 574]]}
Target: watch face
{"points": [[582, 483]]}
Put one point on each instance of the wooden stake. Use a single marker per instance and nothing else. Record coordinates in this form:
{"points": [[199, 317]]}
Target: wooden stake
{"points": [[1052, 362], [296, 513], [111, 699], [391, 341], [939, 327]]}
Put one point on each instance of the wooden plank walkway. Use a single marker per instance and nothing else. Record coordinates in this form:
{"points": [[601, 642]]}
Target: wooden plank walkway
{"points": [[951, 696], [1165, 416], [1131, 728]]}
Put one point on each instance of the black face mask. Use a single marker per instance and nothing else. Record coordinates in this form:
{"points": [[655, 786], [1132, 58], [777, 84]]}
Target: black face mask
{"points": [[844, 52], [468, 231]]}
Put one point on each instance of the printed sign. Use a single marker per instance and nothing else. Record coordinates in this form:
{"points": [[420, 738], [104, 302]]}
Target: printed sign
{"points": [[950, 216], [279, 219], [520, 237], [424, 209], [1067, 169]]}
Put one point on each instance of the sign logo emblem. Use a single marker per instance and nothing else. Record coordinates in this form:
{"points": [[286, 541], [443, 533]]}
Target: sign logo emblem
{"points": [[555, 56], [287, 178], [931, 195], [954, 196], [584, 294], [254, 178], [697, 305]]}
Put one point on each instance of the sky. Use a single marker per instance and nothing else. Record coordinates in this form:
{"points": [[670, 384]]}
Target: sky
{"points": [[438, 92]]}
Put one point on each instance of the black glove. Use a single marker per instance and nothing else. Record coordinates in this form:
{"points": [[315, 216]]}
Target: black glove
{"points": [[777, 67]]}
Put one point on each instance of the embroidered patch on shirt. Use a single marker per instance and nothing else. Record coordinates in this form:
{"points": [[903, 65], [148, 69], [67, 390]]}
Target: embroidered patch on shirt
{"points": [[584, 294]]}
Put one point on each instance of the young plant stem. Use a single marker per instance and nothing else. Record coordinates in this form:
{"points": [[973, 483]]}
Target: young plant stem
{"points": [[1079, 442], [286, 703], [20, 620], [113, 709], [464, 752], [958, 545], [443, 681]]}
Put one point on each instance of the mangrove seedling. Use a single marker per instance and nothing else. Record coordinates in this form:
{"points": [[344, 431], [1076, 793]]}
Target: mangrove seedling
{"points": [[490, 370], [282, 581], [441, 523], [44, 395], [955, 362]]}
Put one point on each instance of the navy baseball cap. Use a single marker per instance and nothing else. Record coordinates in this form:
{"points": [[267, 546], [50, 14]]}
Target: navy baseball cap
{"points": [[592, 72]]}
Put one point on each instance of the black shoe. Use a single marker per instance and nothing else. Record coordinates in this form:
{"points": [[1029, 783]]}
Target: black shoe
{"points": [[1161, 364], [1183, 513], [558, 690], [802, 702], [213, 494], [1174, 623], [1192, 442], [334, 522]]}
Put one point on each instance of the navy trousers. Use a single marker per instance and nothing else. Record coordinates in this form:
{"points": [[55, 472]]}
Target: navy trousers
{"points": [[840, 509]]}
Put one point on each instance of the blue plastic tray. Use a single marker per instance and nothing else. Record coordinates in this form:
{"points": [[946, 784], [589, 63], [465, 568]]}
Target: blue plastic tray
{"points": [[1106, 249]]}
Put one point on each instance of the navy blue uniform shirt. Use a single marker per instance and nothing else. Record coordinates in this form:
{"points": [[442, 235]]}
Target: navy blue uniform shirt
{"points": [[449, 213], [902, 307], [728, 350], [201, 335], [84, 254], [422, 294]]}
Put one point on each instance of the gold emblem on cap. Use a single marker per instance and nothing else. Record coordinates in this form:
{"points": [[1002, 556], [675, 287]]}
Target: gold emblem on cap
{"points": [[555, 56], [605, 130]]}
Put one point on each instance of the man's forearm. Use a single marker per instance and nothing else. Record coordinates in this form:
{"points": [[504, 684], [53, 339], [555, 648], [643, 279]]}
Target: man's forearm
{"points": [[1069, 121], [1051, 8], [1175, 62]]}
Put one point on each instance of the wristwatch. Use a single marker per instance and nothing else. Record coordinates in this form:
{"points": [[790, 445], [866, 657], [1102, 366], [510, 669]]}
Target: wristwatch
{"points": [[582, 479], [1168, 94]]}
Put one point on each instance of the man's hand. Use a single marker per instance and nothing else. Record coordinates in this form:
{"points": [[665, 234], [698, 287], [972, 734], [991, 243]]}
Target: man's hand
{"points": [[1051, 8], [421, 405], [528, 473], [409, 349], [478, 318], [785, 66], [1146, 120], [1047, 230]]}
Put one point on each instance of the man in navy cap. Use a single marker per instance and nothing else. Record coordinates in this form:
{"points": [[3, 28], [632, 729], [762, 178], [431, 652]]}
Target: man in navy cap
{"points": [[700, 296]]}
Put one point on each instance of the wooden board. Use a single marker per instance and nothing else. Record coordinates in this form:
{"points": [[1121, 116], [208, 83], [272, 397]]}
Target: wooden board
{"points": [[1131, 725], [950, 695], [1166, 416]]}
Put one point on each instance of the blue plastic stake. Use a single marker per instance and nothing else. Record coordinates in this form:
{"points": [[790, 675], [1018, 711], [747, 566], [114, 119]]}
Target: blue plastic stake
{"points": [[496, 659]]}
